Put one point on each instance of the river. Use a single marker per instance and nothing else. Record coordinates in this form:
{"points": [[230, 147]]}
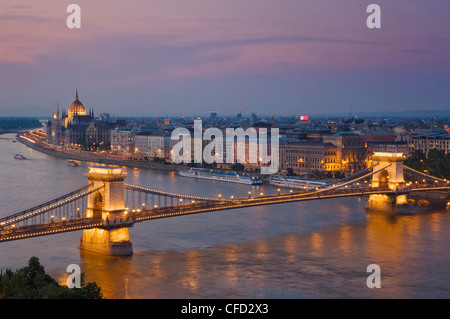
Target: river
{"points": [[315, 249]]}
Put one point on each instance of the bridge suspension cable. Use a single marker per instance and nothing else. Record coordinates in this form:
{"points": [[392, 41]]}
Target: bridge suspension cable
{"points": [[429, 177], [57, 203], [174, 195], [352, 181], [350, 177]]}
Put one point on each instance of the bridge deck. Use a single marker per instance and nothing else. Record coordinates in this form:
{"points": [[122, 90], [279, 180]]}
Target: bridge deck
{"points": [[9, 234]]}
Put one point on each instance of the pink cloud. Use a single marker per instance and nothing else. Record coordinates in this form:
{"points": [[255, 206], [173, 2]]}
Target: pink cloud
{"points": [[220, 38]]}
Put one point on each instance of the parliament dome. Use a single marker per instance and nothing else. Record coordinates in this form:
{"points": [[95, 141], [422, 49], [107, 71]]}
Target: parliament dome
{"points": [[76, 108]]}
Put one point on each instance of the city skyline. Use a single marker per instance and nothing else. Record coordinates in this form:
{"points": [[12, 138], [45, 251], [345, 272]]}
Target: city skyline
{"points": [[225, 149], [177, 58]]}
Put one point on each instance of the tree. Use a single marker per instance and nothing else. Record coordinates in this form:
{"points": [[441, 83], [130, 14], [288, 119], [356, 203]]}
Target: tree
{"points": [[290, 172], [319, 174], [339, 175], [437, 164], [416, 160], [31, 282], [209, 165], [238, 167], [159, 160]]}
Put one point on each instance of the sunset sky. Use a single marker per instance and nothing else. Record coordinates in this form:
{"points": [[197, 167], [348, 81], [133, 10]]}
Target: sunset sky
{"points": [[188, 57]]}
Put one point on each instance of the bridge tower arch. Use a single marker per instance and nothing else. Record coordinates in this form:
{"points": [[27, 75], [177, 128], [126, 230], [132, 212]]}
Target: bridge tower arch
{"points": [[107, 205], [392, 175], [388, 175]]}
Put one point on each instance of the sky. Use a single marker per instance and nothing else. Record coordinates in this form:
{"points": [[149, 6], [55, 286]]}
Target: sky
{"points": [[188, 57]]}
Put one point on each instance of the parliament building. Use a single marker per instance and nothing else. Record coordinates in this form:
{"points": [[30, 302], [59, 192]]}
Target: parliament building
{"points": [[77, 128]]}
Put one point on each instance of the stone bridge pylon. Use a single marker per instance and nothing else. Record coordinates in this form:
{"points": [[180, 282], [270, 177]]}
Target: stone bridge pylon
{"points": [[392, 176], [389, 175], [108, 205]]}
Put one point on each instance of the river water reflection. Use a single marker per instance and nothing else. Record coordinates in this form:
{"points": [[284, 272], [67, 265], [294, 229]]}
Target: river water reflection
{"points": [[317, 249]]}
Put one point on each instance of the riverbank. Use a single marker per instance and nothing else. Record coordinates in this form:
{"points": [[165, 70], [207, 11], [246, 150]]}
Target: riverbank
{"points": [[107, 159], [96, 158], [9, 131], [441, 199]]}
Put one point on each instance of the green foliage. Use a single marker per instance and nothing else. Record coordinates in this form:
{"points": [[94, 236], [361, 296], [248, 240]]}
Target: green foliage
{"points": [[159, 160], [238, 167], [318, 174], [209, 165], [416, 160], [31, 282], [11, 123], [290, 172], [436, 164], [339, 175]]}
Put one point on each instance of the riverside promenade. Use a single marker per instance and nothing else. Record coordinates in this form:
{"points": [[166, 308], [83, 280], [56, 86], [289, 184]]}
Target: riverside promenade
{"points": [[85, 156]]}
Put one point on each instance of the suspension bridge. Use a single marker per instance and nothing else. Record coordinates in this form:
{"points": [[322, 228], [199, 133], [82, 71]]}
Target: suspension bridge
{"points": [[107, 207]]}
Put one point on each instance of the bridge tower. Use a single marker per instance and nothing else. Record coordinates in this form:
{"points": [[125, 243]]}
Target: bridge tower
{"points": [[392, 176], [107, 205], [389, 176]]}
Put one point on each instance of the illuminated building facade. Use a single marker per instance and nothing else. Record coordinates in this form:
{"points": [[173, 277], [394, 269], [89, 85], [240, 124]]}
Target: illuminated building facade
{"points": [[427, 141], [306, 156], [77, 128], [344, 152]]}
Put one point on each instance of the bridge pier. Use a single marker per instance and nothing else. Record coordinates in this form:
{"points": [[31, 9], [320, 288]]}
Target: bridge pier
{"points": [[112, 242], [389, 175], [108, 205], [386, 202]]}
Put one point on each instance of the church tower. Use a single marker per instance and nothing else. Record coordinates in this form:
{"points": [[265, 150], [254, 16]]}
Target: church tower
{"points": [[56, 135]]}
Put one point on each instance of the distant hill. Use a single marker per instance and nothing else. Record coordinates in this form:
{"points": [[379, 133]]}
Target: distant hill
{"points": [[18, 123], [412, 114], [419, 114]]}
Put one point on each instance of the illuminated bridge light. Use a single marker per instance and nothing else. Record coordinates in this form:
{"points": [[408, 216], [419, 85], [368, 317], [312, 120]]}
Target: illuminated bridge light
{"points": [[244, 203]]}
